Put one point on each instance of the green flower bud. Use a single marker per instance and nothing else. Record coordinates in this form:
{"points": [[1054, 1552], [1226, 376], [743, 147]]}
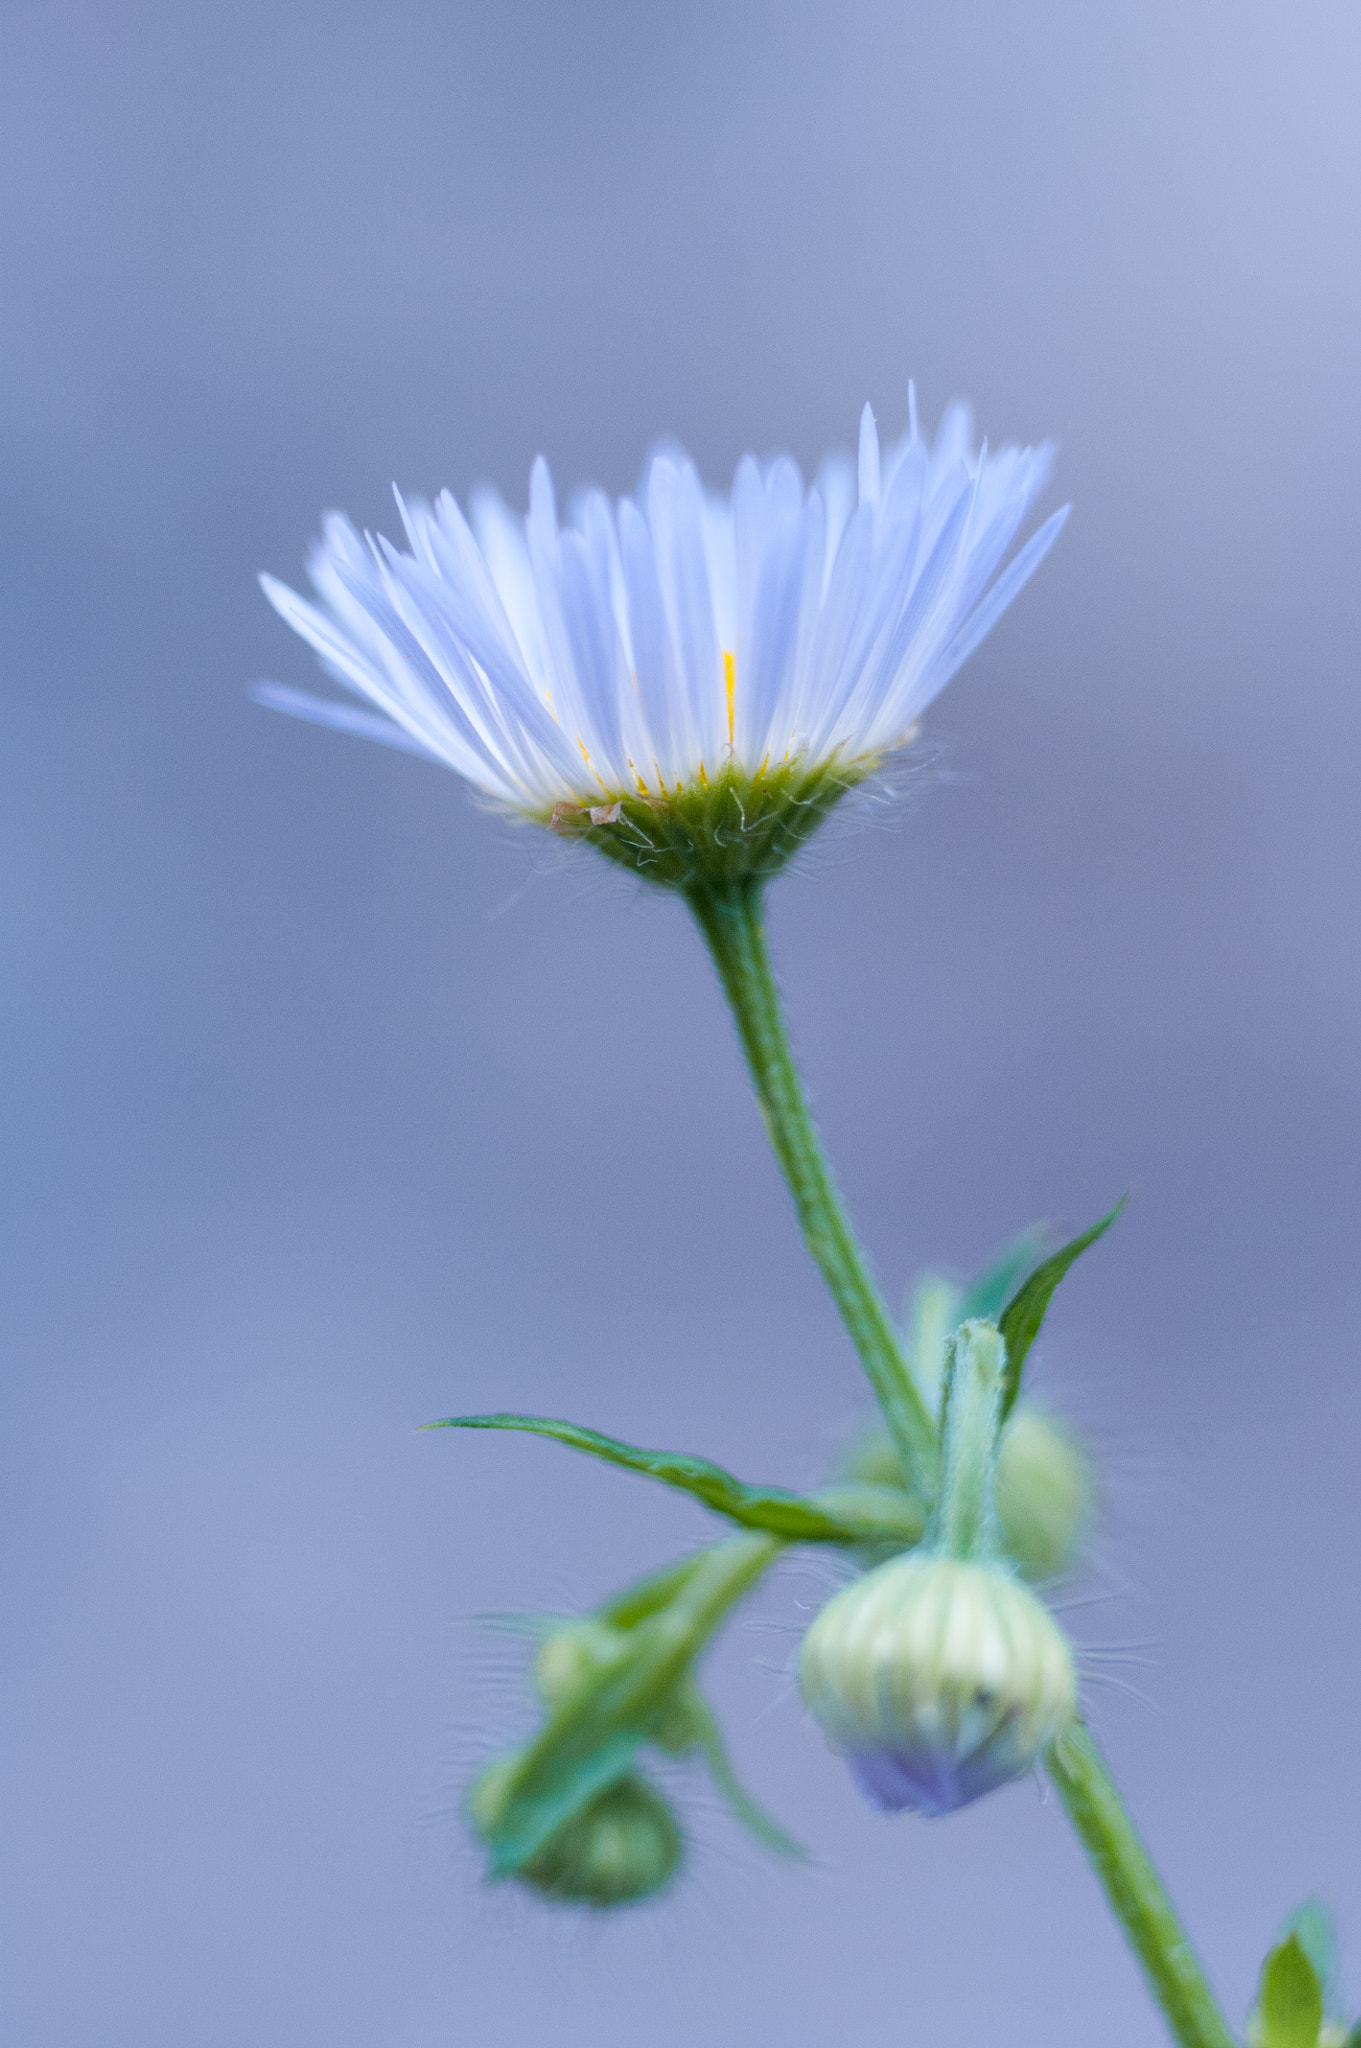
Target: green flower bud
{"points": [[568, 1656], [1044, 1493], [938, 1679], [572, 1655], [875, 1462], [623, 1845]]}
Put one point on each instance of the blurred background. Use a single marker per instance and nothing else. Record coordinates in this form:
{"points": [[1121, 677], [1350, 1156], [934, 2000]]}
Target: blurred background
{"points": [[331, 1106]]}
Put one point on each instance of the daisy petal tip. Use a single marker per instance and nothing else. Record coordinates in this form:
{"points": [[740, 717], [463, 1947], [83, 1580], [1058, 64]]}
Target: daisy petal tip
{"points": [[869, 458]]}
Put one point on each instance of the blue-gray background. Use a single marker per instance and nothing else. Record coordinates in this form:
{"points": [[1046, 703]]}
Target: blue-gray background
{"points": [[329, 1106]]}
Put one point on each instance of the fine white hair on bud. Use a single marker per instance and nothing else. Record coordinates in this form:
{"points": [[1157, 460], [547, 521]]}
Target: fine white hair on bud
{"points": [[938, 1679]]}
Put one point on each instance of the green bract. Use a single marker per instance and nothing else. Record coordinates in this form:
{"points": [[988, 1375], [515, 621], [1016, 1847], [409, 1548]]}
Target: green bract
{"points": [[1289, 2009], [731, 828], [1298, 1986]]}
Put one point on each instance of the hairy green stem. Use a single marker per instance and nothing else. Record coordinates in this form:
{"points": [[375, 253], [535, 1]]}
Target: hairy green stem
{"points": [[1134, 1892], [732, 921], [964, 1524]]}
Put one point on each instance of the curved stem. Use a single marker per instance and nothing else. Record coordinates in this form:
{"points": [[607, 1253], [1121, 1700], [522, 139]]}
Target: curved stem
{"points": [[732, 922], [1134, 1891]]}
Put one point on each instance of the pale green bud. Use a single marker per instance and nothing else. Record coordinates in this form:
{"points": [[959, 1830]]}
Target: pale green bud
{"points": [[1043, 1492], [875, 1461], [570, 1656], [938, 1679]]}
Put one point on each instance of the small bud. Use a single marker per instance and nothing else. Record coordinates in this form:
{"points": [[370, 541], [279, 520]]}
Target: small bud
{"points": [[622, 1846], [1044, 1494], [1044, 1488], [569, 1656], [874, 1461], [938, 1679], [487, 1795]]}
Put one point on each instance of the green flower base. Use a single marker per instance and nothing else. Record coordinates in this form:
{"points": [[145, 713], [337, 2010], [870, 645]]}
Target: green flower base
{"points": [[735, 828]]}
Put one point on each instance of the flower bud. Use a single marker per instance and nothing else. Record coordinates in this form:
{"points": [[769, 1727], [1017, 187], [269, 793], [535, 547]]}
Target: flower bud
{"points": [[623, 1845], [938, 1679], [569, 1656], [1044, 1493]]}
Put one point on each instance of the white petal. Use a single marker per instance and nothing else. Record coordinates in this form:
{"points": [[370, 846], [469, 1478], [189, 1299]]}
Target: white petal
{"points": [[347, 718], [1012, 580], [654, 654], [555, 665], [676, 515], [869, 459]]}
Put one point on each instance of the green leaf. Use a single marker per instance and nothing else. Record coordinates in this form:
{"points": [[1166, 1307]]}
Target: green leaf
{"points": [[1020, 1320], [758, 1823], [557, 1788], [1290, 2000], [984, 1298], [1353, 2039], [882, 1517], [1312, 1925], [770, 1508], [646, 1597]]}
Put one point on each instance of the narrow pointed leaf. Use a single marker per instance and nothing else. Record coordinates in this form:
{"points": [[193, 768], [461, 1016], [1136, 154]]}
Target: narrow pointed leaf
{"points": [[1020, 1320], [1290, 2002], [771, 1508], [646, 1597], [985, 1297], [744, 1808]]}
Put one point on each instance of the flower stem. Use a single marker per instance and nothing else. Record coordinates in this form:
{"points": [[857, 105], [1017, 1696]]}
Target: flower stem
{"points": [[1134, 1892], [964, 1524], [732, 921]]}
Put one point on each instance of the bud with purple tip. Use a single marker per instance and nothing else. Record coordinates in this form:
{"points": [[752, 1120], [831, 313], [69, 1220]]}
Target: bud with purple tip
{"points": [[938, 1674]]}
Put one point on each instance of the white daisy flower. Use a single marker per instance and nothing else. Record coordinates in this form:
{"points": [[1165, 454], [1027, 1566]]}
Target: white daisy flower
{"points": [[689, 682]]}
